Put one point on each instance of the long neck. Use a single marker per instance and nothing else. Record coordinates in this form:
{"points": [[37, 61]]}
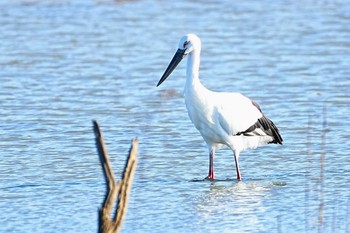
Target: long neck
{"points": [[192, 73]]}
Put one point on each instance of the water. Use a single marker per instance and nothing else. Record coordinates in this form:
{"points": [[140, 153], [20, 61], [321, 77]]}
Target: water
{"points": [[64, 63]]}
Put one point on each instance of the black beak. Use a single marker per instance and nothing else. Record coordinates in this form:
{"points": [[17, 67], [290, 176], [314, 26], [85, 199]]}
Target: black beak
{"points": [[179, 55]]}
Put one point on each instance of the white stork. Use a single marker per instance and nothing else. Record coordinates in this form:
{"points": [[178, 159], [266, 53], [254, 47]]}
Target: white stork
{"points": [[222, 118]]}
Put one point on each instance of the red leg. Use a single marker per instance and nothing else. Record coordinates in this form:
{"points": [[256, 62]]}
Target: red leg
{"points": [[211, 164], [236, 155]]}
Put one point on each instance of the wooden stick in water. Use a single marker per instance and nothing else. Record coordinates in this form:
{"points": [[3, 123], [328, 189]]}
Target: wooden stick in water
{"points": [[120, 190]]}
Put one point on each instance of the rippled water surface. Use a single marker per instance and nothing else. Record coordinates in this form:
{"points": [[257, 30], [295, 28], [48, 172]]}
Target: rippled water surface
{"points": [[64, 63]]}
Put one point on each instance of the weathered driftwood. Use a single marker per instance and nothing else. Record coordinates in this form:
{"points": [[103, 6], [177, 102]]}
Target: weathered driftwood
{"points": [[120, 190]]}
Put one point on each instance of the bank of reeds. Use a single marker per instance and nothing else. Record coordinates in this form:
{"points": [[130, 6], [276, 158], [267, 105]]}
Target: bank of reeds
{"points": [[315, 186]]}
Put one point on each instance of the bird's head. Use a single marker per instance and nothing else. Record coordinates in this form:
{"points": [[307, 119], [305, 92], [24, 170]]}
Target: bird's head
{"points": [[188, 44]]}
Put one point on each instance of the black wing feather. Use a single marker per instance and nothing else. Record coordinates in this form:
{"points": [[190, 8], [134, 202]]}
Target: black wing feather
{"points": [[266, 125]]}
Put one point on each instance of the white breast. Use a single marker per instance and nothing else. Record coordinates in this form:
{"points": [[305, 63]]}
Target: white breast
{"points": [[219, 116]]}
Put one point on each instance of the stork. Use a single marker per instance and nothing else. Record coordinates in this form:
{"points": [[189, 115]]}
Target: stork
{"points": [[222, 118]]}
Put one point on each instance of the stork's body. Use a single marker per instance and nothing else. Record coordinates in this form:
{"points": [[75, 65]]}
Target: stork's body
{"points": [[222, 118]]}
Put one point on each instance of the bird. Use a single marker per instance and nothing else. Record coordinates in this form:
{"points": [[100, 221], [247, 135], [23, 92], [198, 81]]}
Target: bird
{"points": [[224, 119]]}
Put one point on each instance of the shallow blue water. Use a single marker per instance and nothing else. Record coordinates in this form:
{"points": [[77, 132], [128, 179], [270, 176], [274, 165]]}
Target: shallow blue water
{"points": [[65, 63]]}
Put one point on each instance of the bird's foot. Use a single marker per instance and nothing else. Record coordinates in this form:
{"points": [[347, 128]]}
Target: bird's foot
{"points": [[209, 178]]}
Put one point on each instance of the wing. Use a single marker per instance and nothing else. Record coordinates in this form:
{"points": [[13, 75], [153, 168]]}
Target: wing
{"points": [[264, 126], [235, 112], [239, 115]]}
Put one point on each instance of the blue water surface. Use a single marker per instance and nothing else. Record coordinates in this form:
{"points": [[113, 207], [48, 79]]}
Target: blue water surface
{"points": [[64, 63]]}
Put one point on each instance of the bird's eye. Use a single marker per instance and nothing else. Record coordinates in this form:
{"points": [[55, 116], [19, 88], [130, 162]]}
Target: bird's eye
{"points": [[186, 43]]}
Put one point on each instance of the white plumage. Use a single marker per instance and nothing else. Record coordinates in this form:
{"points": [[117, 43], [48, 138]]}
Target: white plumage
{"points": [[222, 118]]}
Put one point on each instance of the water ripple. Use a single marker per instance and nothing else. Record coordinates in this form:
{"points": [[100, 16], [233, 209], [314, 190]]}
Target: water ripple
{"points": [[68, 62]]}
